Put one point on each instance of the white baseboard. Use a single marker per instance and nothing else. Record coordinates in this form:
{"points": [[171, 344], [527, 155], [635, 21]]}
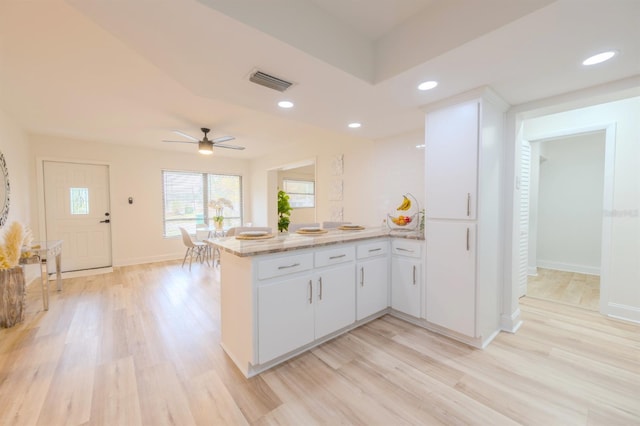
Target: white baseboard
{"points": [[623, 312], [568, 267], [149, 259], [532, 271], [511, 322]]}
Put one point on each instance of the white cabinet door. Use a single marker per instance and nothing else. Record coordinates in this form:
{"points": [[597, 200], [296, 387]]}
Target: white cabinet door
{"points": [[451, 271], [406, 276], [451, 162], [285, 316], [372, 287], [334, 299]]}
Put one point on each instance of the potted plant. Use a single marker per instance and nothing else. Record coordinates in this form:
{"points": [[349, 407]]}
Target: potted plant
{"points": [[284, 211], [12, 283], [218, 206]]}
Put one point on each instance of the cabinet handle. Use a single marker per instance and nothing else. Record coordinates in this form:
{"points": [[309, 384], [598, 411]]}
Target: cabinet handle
{"points": [[375, 249], [468, 204], [337, 257], [467, 239], [414, 274], [404, 249], [289, 266], [310, 292], [362, 276], [320, 292]]}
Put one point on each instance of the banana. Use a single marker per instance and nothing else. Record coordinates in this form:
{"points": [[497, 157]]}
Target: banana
{"points": [[406, 204]]}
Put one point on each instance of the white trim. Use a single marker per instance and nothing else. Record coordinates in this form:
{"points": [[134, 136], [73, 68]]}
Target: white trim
{"points": [[82, 273], [623, 312], [568, 267], [532, 271], [148, 259], [511, 323]]}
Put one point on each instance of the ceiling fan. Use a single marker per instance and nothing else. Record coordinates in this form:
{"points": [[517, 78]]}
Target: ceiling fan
{"points": [[205, 145]]}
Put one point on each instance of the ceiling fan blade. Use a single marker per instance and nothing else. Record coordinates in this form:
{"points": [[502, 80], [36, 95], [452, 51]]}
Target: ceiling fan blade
{"points": [[181, 141], [184, 135], [240, 148], [223, 139]]}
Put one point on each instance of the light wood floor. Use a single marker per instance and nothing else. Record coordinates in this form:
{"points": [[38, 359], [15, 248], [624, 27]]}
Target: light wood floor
{"points": [[141, 346], [565, 287]]}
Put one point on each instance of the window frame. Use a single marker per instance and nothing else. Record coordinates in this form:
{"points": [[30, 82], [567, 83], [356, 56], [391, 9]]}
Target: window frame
{"points": [[313, 182], [206, 219]]}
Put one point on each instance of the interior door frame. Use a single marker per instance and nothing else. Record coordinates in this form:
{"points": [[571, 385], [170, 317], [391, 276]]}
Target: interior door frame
{"points": [[42, 225], [607, 199]]}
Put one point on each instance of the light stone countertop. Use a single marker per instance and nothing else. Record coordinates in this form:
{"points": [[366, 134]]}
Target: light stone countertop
{"points": [[287, 242]]}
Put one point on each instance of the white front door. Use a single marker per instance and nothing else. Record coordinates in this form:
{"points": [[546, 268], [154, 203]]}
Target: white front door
{"points": [[77, 212]]}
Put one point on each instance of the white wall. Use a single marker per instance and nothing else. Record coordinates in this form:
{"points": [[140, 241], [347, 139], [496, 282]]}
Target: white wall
{"points": [[135, 172], [14, 144], [376, 174], [621, 295], [570, 203]]}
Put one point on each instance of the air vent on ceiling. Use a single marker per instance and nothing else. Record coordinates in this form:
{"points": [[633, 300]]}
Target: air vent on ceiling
{"points": [[269, 81]]}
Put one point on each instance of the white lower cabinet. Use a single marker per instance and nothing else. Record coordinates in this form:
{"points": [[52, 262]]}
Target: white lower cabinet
{"points": [[285, 316], [451, 276], [295, 310], [335, 299], [406, 277], [372, 282]]}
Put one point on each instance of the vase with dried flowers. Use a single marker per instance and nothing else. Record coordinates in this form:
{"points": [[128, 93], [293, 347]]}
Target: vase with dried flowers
{"points": [[218, 206], [16, 244]]}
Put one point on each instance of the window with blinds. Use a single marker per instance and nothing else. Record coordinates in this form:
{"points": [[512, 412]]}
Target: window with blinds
{"points": [[192, 198], [302, 193]]}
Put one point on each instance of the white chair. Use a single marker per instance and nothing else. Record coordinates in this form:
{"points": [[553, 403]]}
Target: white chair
{"points": [[332, 225], [293, 227], [238, 229], [197, 248], [202, 233]]}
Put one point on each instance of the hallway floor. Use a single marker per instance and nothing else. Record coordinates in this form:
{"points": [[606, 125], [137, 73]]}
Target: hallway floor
{"points": [[566, 287]]}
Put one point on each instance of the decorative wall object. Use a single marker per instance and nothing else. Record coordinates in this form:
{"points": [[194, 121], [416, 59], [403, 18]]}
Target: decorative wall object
{"points": [[337, 165], [336, 213], [4, 191], [335, 191]]}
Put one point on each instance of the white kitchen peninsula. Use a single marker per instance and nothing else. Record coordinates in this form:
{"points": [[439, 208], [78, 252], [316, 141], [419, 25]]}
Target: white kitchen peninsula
{"points": [[284, 295]]}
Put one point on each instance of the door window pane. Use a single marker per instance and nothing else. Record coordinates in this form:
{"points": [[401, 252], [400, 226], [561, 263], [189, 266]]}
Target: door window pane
{"points": [[79, 198]]}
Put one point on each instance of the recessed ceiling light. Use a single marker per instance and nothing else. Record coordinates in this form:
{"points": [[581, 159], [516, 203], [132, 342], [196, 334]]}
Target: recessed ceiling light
{"points": [[285, 104], [600, 57], [427, 85], [354, 125]]}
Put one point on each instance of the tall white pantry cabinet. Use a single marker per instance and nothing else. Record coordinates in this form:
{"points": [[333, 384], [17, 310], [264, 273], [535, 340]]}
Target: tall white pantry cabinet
{"points": [[463, 171]]}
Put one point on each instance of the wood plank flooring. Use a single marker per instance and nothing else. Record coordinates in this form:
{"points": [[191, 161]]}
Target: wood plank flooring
{"points": [[566, 287], [140, 346]]}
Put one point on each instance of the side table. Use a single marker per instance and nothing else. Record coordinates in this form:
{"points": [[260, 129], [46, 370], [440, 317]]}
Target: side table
{"points": [[43, 251]]}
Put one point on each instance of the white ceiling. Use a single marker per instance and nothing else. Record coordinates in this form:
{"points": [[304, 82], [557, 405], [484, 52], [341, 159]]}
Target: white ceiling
{"points": [[130, 72]]}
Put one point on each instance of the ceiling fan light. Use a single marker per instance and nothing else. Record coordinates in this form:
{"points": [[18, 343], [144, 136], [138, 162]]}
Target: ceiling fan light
{"points": [[205, 148]]}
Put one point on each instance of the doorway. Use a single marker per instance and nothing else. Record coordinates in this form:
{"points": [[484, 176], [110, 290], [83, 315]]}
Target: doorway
{"points": [[568, 182], [77, 211], [565, 190], [302, 178]]}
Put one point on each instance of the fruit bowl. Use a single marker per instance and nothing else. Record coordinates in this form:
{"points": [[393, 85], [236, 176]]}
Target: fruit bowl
{"points": [[403, 220], [405, 217]]}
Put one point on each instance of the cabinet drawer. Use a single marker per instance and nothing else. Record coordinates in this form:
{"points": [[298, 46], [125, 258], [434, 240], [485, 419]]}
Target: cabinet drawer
{"points": [[270, 268], [334, 256], [375, 248], [406, 248]]}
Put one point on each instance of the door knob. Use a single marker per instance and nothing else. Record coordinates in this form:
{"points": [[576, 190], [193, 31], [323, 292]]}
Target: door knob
{"points": [[105, 221]]}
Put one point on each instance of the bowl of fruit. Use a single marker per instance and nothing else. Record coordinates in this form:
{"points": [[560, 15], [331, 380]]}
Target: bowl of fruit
{"points": [[406, 214]]}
